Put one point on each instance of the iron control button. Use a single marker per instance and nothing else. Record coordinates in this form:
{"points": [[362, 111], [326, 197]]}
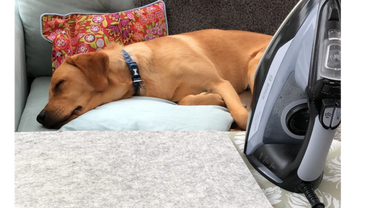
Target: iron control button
{"points": [[338, 114], [333, 13], [327, 117], [327, 112]]}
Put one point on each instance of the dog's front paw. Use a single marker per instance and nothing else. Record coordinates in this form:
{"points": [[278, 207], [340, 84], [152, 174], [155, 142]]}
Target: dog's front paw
{"points": [[215, 99], [203, 99]]}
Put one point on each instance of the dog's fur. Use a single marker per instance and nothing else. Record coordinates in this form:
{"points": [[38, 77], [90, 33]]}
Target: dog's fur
{"points": [[206, 67]]}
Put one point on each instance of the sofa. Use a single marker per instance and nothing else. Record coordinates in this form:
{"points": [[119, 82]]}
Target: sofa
{"points": [[33, 64]]}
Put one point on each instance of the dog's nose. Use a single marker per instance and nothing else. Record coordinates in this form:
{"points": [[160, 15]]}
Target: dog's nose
{"points": [[42, 117]]}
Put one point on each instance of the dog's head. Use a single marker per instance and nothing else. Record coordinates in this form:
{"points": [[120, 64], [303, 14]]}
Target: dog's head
{"points": [[78, 85]]}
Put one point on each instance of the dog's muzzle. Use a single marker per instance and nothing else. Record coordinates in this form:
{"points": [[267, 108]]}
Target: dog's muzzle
{"points": [[49, 121]]}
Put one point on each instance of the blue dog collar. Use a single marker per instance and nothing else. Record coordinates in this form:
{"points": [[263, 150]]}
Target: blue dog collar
{"points": [[134, 70]]}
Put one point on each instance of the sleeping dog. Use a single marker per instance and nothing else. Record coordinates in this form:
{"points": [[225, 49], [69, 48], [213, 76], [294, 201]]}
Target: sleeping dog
{"points": [[205, 67]]}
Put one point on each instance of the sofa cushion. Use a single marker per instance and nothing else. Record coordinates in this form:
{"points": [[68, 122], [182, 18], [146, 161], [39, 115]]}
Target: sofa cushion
{"points": [[36, 101], [75, 33], [148, 113], [136, 113], [37, 49], [252, 15]]}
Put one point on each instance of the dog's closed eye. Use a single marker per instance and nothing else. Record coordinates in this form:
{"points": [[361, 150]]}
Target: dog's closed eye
{"points": [[57, 86]]}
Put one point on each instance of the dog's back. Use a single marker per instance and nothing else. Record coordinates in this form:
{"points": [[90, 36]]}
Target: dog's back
{"points": [[233, 53]]}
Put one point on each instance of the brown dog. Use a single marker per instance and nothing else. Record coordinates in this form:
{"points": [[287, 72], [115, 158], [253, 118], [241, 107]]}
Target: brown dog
{"points": [[206, 67]]}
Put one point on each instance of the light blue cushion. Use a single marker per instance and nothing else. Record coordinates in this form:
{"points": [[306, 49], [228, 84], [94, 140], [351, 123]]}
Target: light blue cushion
{"points": [[147, 113]]}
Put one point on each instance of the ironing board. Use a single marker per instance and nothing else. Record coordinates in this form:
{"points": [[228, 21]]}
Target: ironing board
{"points": [[132, 169], [75, 153], [329, 190]]}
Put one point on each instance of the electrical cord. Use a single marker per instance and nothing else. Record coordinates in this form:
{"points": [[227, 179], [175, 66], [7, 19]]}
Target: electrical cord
{"points": [[311, 196]]}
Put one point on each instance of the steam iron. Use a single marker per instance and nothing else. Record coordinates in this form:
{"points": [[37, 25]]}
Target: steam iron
{"points": [[296, 104]]}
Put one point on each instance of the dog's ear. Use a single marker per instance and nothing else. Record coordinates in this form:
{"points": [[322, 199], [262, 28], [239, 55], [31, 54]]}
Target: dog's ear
{"points": [[95, 67]]}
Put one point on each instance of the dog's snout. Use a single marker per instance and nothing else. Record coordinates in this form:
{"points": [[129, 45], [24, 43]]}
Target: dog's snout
{"points": [[41, 118]]}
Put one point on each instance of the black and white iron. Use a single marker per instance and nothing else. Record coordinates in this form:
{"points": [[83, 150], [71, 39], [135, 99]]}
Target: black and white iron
{"points": [[296, 105]]}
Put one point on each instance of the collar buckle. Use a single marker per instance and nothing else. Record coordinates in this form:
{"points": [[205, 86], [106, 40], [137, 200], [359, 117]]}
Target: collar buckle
{"points": [[134, 70]]}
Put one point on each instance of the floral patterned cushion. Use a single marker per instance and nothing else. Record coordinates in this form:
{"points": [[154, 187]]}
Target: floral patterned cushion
{"points": [[75, 33]]}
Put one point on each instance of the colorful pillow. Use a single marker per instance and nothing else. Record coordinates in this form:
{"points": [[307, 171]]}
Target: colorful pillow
{"points": [[75, 33]]}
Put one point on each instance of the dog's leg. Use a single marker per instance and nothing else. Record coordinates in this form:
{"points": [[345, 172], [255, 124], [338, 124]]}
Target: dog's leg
{"points": [[233, 103], [202, 99]]}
